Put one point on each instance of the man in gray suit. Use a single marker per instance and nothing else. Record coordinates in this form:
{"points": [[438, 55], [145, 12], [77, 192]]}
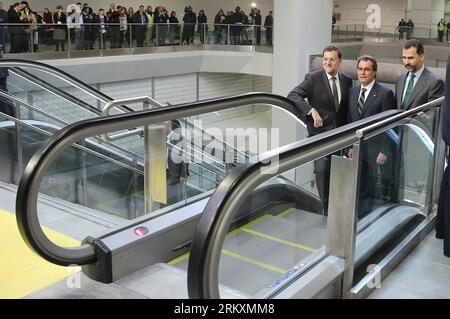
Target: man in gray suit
{"points": [[415, 87], [366, 99], [322, 99], [418, 85]]}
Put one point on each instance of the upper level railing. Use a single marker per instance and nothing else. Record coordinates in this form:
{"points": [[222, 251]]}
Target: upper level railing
{"points": [[65, 40], [387, 33]]}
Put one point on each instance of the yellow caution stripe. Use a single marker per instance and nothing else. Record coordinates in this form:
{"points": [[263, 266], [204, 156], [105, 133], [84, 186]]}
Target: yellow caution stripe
{"points": [[179, 259], [279, 240], [21, 270], [254, 262], [286, 212]]}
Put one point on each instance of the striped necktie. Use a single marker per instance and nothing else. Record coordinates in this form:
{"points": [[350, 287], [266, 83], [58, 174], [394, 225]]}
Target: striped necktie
{"points": [[361, 101]]}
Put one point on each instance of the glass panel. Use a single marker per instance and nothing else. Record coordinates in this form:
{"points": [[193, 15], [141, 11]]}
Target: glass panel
{"points": [[49, 88], [8, 151], [279, 227], [395, 192], [104, 181]]}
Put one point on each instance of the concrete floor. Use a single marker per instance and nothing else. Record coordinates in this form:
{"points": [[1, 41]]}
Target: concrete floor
{"points": [[423, 274]]}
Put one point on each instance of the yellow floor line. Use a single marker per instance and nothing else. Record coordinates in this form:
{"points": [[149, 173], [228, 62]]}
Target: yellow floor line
{"points": [[230, 234], [179, 259], [279, 240], [252, 223], [21, 270], [254, 262], [245, 228], [286, 212]]}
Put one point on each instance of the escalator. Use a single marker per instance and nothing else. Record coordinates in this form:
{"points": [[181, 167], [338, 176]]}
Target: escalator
{"points": [[355, 253], [49, 99], [263, 228], [88, 172]]}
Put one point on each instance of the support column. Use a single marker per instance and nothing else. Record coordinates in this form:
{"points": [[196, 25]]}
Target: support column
{"points": [[301, 28], [426, 14]]}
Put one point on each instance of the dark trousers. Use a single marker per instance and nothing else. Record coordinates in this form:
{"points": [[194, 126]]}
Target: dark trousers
{"points": [[322, 168], [258, 35], [141, 32], [375, 186], [443, 214]]}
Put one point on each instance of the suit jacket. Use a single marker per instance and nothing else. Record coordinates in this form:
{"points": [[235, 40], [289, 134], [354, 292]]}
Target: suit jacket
{"points": [[137, 18], [446, 121], [14, 18], [428, 87], [380, 99], [317, 90]]}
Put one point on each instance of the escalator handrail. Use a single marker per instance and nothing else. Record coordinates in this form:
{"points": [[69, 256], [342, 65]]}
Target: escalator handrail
{"points": [[203, 282], [17, 63], [9, 97], [12, 63], [47, 86], [27, 193], [375, 128]]}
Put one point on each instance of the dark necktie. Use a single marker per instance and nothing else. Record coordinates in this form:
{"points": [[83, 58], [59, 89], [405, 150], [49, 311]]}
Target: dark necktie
{"points": [[335, 92], [361, 101], [409, 90]]}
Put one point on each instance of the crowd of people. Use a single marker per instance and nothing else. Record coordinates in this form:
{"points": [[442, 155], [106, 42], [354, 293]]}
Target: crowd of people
{"points": [[405, 27], [119, 26]]}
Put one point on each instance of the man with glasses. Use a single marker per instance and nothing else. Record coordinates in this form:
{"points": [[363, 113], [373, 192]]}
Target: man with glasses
{"points": [[322, 98], [366, 99]]}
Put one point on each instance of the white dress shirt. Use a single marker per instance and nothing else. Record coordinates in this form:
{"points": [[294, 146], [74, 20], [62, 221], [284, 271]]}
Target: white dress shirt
{"points": [[368, 89]]}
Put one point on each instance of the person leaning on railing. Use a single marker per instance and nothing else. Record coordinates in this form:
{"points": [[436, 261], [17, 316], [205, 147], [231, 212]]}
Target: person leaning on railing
{"points": [[174, 27], [59, 30]]}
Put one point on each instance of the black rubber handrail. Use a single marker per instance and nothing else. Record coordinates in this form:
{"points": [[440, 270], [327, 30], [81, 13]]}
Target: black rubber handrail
{"points": [[35, 80], [18, 63], [27, 193]]}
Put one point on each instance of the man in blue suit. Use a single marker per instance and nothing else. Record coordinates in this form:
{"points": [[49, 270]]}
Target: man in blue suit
{"points": [[366, 99], [443, 215]]}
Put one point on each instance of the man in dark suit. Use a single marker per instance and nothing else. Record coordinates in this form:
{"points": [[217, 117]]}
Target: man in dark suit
{"points": [[16, 30], [326, 108], [177, 168], [140, 28], [366, 99], [443, 215]]}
